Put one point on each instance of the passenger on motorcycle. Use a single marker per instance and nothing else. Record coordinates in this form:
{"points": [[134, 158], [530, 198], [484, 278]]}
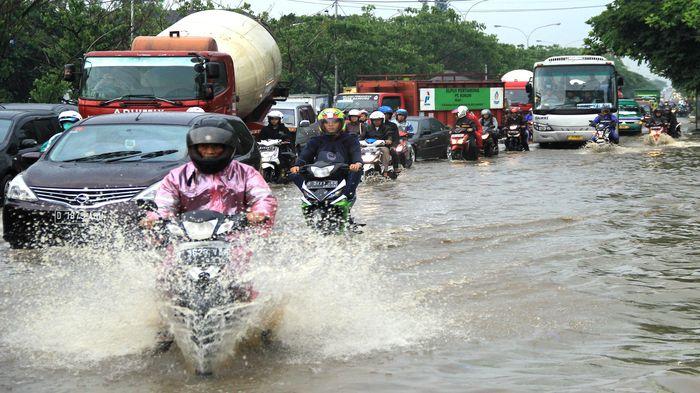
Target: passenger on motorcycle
{"points": [[364, 116], [275, 128], [380, 129], [213, 180], [606, 115], [66, 119], [334, 145], [354, 125], [401, 123], [467, 119], [515, 117], [488, 121]]}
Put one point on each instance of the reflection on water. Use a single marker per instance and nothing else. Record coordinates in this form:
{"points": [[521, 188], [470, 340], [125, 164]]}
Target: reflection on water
{"points": [[551, 270]]}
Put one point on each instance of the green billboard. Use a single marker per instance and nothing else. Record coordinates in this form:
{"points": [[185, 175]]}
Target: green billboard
{"points": [[447, 99]]}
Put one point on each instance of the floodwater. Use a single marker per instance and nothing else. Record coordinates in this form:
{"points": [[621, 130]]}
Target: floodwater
{"points": [[545, 271]]}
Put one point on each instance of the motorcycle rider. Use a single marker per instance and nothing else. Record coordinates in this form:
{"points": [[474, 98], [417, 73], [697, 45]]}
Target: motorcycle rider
{"points": [[275, 128], [673, 129], [213, 180], [401, 123], [487, 121], [332, 146], [354, 125], [515, 117], [66, 119], [606, 115], [466, 119], [380, 129]]}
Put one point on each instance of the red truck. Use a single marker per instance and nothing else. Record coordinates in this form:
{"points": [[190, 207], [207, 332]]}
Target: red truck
{"points": [[220, 61], [432, 96], [516, 93]]}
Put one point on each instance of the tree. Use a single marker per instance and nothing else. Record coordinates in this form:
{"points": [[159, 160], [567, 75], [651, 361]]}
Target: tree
{"points": [[664, 33]]}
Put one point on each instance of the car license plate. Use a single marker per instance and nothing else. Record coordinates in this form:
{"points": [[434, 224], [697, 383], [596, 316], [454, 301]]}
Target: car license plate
{"points": [[77, 217], [575, 138], [624, 127], [316, 184]]}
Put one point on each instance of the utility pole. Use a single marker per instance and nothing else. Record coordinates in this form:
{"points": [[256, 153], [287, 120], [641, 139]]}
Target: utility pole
{"points": [[131, 20], [335, 84]]}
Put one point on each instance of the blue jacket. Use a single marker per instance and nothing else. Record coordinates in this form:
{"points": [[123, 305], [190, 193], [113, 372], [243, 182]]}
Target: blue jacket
{"points": [[344, 148], [612, 118]]}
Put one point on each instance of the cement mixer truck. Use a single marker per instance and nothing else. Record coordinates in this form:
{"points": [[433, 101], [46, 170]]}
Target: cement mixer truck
{"points": [[221, 61]]}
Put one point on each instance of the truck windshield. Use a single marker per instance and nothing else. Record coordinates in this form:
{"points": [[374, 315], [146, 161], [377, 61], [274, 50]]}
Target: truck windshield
{"points": [[516, 96], [107, 78], [4, 128], [570, 89], [133, 142], [345, 102]]}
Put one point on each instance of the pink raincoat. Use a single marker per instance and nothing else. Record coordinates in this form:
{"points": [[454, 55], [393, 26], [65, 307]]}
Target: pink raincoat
{"points": [[238, 189]]}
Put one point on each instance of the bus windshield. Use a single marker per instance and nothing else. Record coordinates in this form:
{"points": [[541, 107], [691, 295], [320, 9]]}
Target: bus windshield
{"points": [[574, 88]]}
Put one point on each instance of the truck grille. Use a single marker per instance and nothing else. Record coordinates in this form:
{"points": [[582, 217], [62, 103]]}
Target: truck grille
{"points": [[83, 197]]}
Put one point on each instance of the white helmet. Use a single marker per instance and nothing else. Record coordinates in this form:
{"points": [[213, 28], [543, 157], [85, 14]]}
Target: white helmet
{"points": [[462, 111], [195, 109], [376, 115], [354, 112], [277, 114], [67, 118], [485, 112]]}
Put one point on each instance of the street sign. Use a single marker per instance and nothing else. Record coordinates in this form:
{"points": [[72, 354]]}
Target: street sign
{"points": [[447, 99]]}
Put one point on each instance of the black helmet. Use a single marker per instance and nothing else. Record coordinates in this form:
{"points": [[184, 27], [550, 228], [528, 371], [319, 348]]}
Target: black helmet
{"points": [[215, 136]]}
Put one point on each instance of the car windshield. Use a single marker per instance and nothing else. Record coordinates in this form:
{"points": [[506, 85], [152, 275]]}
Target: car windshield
{"points": [[629, 109], [345, 102], [4, 128], [516, 96], [132, 142], [574, 88], [171, 78], [289, 116]]}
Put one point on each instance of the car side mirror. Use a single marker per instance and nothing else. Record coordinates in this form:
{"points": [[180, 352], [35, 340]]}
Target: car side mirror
{"points": [[69, 72], [213, 70], [304, 123], [27, 143], [620, 81], [27, 159]]}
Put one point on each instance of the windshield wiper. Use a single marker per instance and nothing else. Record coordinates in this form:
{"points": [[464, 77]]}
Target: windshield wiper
{"points": [[144, 156], [147, 96], [104, 156]]}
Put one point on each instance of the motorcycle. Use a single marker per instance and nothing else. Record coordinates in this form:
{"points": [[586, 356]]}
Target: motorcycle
{"points": [[514, 140], [206, 305], [405, 151], [463, 144], [489, 145], [658, 133], [601, 138], [324, 203], [275, 157], [372, 160]]}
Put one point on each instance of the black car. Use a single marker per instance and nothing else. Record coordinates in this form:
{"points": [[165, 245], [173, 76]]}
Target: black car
{"points": [[101, 176], [24, 106], [430, 138], [24, 127]]}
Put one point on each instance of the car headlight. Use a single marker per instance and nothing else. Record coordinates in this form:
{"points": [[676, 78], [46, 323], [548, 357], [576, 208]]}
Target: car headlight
{"points": [[543, 127], [17, 190], [149, 194]]}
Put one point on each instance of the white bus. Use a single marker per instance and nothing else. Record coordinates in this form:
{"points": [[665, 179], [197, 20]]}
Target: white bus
{"points": [[568, 92]]}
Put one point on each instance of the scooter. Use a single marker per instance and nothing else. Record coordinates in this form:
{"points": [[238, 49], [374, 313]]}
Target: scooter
{"points": [[601, 138], [206, 305], [323, 203], [489, 146], [658, 133], [407, 156], [463, 144], [514, 140], [372, 160], [275, 157]]}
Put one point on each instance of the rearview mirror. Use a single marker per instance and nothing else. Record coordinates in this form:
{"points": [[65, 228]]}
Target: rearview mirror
{"points": [[304, 123], [27, 143], [213, 70], [69, 72], [27, 159], [620, 81], [208, 93]]}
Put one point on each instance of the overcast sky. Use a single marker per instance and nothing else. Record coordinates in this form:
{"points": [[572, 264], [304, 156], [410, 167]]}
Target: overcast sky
{"points": [[525, 15]]}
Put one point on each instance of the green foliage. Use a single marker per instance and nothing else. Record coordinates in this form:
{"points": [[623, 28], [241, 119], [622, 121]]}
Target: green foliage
{"points": [[664, 33], [49, 88]]}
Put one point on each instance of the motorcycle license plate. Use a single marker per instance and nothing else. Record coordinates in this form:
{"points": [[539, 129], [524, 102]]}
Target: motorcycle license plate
{"points": [[316, 184], [267, 148], [202, 255], [574, 138], [76, 217]]}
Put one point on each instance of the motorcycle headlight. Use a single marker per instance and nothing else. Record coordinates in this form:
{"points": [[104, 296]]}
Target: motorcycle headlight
{"points": [[200, 230], [321, 171], [149, 194], [17, 190]]}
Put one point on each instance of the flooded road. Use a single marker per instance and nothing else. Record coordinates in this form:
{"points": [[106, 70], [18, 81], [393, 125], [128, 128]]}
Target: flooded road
{"points": [[553, 270]]}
